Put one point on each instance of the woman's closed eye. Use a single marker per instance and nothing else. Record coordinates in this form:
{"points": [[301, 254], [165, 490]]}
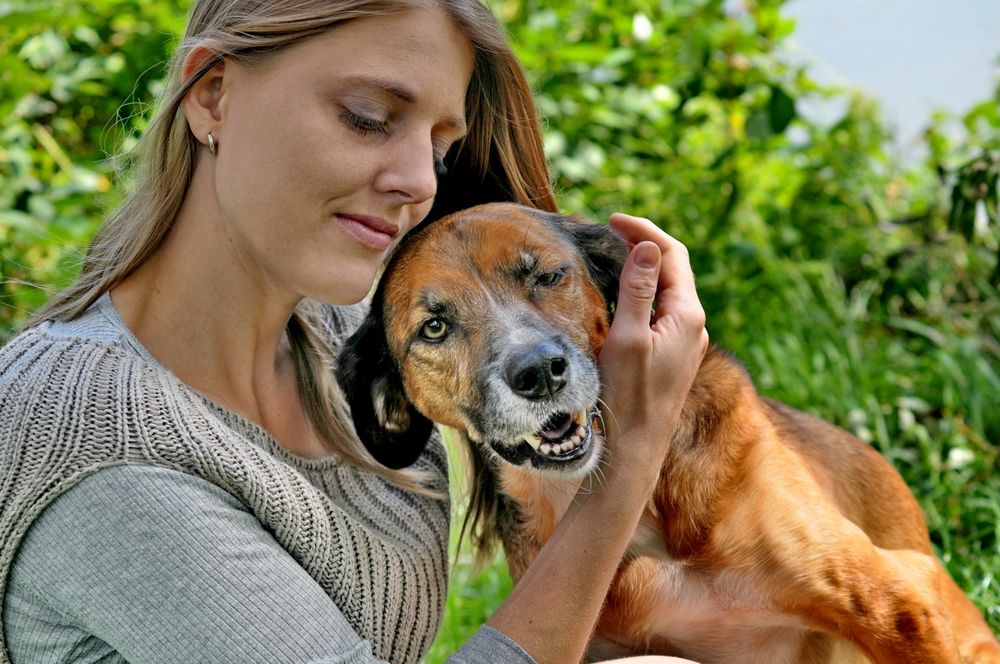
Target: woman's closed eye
{"points": [[371, 126], [364, 125]]}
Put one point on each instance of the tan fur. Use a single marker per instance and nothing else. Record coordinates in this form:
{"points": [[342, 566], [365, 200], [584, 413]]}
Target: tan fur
{"points": [[771, 537]]}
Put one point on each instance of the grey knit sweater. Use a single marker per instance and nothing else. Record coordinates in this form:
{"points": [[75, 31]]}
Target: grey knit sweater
{"points": [[153, 490]]}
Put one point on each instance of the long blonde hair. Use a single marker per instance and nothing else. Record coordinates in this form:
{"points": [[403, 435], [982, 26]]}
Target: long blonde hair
{"points": [[501, 158]]}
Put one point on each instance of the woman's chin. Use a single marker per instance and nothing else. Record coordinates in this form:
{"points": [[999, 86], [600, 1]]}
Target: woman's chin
{"points": [[344, 290]]}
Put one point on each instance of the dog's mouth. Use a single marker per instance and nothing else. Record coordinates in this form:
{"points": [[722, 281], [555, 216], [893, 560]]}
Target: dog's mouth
{"points": [[563, 438]]}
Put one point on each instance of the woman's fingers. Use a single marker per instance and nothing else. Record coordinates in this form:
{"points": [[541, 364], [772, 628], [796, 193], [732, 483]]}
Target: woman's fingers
{"points": [[676, 299], [676, 264], [638, 287]]}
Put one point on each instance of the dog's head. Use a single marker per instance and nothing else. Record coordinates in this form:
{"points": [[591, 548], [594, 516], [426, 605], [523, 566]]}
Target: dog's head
{"points": [[488, 321]]}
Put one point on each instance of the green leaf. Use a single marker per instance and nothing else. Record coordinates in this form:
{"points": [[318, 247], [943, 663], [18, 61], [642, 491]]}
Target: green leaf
{"points": [[780, 110], [43, 50]]}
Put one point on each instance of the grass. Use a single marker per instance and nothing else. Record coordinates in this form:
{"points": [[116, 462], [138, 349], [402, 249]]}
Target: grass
{"points": [[925, 393]]}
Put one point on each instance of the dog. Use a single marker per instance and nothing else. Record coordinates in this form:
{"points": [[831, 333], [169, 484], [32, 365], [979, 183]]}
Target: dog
{"points": [[771, 536]]}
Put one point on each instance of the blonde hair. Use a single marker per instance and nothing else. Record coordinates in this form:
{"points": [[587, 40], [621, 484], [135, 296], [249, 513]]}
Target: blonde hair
{"points": [[501, 158]]}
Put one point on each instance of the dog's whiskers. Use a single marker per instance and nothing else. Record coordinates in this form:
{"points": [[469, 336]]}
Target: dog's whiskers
{"points": [[598, 476], [600, 414], [558, 485]]}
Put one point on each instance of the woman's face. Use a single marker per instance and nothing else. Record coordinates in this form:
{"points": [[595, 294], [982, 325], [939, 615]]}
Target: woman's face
{"points": [[328, 152]]}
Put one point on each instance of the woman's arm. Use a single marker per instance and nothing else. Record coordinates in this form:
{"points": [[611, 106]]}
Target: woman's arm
{"points": [[648, 364]]}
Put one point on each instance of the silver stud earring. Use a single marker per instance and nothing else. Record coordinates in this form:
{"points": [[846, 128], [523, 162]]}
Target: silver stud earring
{"points": [[211, 143]]}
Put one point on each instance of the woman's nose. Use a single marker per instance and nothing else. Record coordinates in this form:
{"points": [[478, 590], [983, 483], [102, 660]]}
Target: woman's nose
{"points": [[409, 171]]}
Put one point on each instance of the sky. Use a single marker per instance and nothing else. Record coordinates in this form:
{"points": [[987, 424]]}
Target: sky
{"points": [[914, 56]]}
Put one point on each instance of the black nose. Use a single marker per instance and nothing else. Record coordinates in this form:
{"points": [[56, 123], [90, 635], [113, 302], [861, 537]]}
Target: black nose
{"points": [[537, 372]]}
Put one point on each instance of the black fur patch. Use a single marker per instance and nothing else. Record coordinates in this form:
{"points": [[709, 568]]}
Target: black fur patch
{"points": [[368, 375]]}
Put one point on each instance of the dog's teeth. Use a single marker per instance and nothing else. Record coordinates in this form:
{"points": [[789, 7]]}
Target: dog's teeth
{"points": [[580, 431], [556, 449], [580, 417]]}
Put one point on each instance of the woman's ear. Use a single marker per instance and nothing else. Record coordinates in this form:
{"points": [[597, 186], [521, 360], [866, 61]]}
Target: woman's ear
{"points": [[203, 103], [385, 420]]}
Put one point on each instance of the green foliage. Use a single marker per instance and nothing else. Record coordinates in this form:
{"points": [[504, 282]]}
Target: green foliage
{"points": [[76, 79], [854, 287], [474, 593], [974, 198]]}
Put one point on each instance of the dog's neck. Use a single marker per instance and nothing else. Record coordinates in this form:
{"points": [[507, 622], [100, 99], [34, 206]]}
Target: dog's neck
{"points": [[532, 505]]}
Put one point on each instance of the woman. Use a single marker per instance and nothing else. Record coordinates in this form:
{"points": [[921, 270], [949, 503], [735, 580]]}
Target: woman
{"points": [[181, 481]]}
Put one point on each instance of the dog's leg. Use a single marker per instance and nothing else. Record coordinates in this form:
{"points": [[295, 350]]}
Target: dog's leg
{"points": [[787, 527], [890, 603], [976, 642], [816, 564]]}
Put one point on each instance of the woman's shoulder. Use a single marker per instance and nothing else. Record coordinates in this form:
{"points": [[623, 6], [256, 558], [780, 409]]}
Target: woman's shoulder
{"points": [[45, 363], [54, 365], [38, 351], [76, 396]]}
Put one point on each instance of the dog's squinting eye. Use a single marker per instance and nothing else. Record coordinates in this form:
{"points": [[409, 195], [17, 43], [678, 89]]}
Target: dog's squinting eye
{"points": [[549, 278], [434, 330]]}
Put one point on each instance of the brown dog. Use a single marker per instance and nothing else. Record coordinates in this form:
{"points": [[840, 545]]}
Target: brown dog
{"points": [[771, 537]]}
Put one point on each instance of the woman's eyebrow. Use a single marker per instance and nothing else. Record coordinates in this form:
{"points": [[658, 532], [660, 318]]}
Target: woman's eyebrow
{"points": [[403, 93], [397, 90]]}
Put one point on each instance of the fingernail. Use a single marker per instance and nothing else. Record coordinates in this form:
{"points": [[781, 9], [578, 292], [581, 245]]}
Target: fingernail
{"points": [[646, 255]]}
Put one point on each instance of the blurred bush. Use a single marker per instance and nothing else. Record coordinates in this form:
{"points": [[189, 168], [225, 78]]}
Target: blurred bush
{"points": [[75, 80]]}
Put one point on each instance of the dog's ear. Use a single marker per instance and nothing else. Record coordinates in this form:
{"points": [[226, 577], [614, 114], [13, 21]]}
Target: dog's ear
{"points": [[604, 252], [385, 420]]}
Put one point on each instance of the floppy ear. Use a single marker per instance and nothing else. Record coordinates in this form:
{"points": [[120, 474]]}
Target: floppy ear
{"points": [[603, 250], [386, 422]]}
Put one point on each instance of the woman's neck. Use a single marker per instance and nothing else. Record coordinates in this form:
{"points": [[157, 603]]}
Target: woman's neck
{"points": [[208, 314]]}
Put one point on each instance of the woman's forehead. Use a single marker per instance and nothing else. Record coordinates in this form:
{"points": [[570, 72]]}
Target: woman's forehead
{"points": [[404, 40], [414, 56]]}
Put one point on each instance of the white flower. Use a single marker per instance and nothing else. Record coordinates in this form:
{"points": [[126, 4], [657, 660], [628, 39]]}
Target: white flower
{"points": [[959, 457], [642, 28]]}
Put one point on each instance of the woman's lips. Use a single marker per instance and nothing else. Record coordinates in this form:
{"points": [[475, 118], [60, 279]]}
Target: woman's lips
{"points": [[372, 232]]}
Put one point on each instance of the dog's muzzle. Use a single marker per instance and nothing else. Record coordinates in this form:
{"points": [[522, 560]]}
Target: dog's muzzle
{"points": [[543, 396]]}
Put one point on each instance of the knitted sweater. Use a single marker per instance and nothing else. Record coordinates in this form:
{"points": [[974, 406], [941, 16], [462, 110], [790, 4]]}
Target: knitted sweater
{"points": [[79, 397]]}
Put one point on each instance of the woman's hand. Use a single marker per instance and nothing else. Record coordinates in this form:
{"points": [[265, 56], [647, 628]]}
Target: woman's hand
{"points": [[654, 348]]}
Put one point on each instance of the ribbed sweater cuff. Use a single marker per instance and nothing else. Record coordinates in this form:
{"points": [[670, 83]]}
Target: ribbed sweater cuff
{"points": [[491, 645]]}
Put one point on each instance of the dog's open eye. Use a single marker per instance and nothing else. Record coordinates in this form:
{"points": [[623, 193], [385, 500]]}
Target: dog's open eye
{"points": [[550, 278], [434, 330]]}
